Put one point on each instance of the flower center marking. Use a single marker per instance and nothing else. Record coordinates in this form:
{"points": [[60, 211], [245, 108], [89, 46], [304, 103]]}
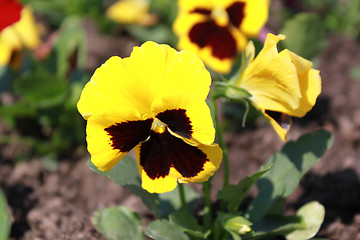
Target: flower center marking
{"points": [[158, 126]]}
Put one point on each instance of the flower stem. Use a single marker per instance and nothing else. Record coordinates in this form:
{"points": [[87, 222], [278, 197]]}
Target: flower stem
{"points": [[207, 208], [219, 135], [182, 197]]}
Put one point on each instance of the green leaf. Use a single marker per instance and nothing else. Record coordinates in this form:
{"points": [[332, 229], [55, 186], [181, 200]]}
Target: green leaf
{"points": [[159, 33], [126, 174], [289, 166], [187, 223], [277, 225], [305, 35], [118, 223], [70, 42], [234, 194], [170, 201], [313, 214], [5, 223], [41, 89], [165, 230]]}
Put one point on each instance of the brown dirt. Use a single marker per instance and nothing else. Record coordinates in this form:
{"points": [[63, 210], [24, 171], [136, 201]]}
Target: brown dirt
{"points": [[59, 204]]}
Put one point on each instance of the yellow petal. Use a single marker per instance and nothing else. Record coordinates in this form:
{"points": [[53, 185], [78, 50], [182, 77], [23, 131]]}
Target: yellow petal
{"points": [[26, 29], [5, 52], [310, 84], [272, 79], [131, 11], [164, 70], [256, 15], [150, 72], [214, 155], [109, 88], [188, 5], [103, 154], [281, 126]]}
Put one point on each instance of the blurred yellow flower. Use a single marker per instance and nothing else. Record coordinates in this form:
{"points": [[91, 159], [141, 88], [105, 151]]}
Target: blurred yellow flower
{"points": [[281, 84], [153, 102], [216, 30], [20, 35], [131, 11]]}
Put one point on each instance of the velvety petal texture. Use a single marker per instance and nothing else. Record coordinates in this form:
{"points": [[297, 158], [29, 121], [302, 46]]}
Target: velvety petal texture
{"points": [[281, 84], [153, 102], [22, 34], [216, 30]]}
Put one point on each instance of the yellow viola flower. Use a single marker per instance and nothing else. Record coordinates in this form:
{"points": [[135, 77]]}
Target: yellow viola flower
{"points": [[280, 84], [20, 35], [216, 30], [153, 102], [131, 11]]}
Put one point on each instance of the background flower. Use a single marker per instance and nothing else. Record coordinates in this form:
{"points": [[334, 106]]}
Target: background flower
{"points": [[9, 13], [217, 30], [20, 35], [131, 11]]}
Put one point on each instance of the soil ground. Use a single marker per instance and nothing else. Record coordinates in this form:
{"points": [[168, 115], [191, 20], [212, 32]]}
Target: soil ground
{"points": [[58, 204]]}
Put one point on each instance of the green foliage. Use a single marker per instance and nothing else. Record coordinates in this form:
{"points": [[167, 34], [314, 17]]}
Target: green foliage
{"points": [[5, 223], [313, 214], [41, 89], [117, 223], [305, 35], [264, 217], [289, 166], [126, 174], [46, 94], [165, 230], [188, 223], [160, 33], [233, 195], [276, 225], [170, 201], [57, 10]]}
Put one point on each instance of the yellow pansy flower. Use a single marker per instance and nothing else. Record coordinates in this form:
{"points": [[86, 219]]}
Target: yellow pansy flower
{"points": [[131, 11], [281, 84], [216, 30], [20, 35], [153, 102]]}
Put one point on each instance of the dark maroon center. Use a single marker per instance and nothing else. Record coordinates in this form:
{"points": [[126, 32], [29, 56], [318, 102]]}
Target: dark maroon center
{"points": [[160, 151], [126, 135], [163, 151], [177, 121], [236, 13], [219, 39]]}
